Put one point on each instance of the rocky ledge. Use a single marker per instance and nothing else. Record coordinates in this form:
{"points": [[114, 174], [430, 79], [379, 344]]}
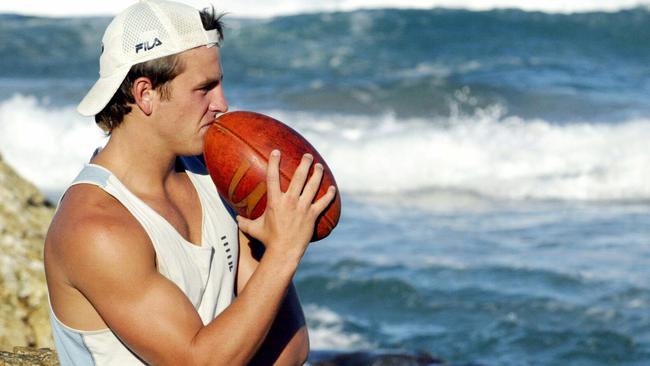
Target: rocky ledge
{"points": [[25, 215], [22, 356], [46, 357]]}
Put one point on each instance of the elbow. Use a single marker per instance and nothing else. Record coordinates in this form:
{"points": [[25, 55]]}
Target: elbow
{"points": [[214, 359], [200, 354]]}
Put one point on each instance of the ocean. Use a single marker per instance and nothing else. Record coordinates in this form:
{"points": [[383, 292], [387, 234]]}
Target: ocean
{"points": [[494, 168]]}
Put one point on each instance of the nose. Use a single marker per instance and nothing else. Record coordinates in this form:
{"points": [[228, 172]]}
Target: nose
{"points": [[218, 102]]}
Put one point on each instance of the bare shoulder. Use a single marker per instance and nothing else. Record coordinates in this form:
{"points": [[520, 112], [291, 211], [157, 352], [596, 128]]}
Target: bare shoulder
{"points": [[92, 228], [101, 264]]}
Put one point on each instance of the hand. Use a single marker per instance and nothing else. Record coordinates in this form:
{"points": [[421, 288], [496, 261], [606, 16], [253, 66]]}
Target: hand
{"points": [[288, 222]]}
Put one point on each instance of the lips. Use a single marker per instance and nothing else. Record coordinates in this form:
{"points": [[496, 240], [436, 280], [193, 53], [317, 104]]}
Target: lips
{"points": [[207, 125], [203, 130]]}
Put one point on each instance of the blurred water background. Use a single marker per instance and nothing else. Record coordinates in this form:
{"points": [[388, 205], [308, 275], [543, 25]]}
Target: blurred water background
{"points": [[493, 165]]}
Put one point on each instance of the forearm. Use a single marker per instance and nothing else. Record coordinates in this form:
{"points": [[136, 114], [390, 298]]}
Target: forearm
{"points": [[287, 342], [237, 333]]}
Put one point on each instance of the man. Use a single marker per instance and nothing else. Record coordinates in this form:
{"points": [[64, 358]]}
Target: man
{"points": [[142, 259]]}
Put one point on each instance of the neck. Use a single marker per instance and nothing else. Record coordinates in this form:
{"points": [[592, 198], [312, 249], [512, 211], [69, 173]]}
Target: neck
{"points": [[139, 160]]}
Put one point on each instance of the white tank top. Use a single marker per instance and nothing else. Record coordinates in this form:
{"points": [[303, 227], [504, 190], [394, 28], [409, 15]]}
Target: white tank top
{"points": [[206, 273]]}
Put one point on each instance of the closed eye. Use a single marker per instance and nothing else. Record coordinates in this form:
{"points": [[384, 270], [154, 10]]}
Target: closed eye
{"points": [[210, 84]]}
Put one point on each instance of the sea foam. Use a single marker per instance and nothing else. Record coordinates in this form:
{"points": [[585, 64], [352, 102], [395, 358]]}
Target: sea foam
{"points": [[47, 145], [326, 330], [485, 154]]}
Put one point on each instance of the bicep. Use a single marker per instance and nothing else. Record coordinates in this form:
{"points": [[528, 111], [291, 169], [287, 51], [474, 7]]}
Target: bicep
{"points": [[148, 312]]}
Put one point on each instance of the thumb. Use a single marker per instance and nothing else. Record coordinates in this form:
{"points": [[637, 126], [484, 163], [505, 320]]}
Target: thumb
{"points": [[249, 227], [244, 224]]}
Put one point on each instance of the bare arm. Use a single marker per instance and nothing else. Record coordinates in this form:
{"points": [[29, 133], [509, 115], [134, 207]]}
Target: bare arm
{"points": [[288, 340], [111, 261]]}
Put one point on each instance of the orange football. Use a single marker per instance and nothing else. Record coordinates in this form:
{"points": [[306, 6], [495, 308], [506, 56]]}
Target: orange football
{"points": [[236, 153]]}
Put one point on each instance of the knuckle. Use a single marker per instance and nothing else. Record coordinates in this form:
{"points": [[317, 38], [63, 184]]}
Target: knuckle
{"points": [[304, 204], [306, 161], [314, 211], [291, 199], [271, 206], [315, 181], [318, 174]]}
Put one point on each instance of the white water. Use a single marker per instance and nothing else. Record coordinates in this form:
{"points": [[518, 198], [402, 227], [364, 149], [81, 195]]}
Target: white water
{"points": [[48, 146], [251, 8], [484, 154], [326, 330]]}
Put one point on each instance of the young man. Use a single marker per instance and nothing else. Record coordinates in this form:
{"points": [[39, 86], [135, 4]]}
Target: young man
{"points": [[142, 259]]}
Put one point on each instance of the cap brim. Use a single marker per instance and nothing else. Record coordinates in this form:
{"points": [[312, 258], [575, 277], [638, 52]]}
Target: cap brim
{"points": [[101, 93]]}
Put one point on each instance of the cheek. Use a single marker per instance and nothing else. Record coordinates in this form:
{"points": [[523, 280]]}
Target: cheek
{"points": [[205, 103], [197, 105]]}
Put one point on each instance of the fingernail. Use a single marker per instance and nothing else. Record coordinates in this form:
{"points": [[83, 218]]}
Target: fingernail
{"points": [[319, 166], [275, 152], [309, 156], [332, 188]]}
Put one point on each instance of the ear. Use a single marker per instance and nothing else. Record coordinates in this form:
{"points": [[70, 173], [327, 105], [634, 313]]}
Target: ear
{"points": [[144, 94]]}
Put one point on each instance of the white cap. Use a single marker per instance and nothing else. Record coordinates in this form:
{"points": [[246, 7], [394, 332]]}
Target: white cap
{"points": [[145, 31]]}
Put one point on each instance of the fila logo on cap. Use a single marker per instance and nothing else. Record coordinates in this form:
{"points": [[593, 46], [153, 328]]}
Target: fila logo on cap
{"points": [[146, 46]]}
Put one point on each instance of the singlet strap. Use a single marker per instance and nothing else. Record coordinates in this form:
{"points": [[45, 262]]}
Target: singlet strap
{"points": [[92, 174]]}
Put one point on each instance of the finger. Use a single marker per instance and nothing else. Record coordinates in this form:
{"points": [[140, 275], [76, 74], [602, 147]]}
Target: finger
{"points": [[311, 188], [273, 177], [244, 224], [248, 226], [300, 175], [322, 203]]}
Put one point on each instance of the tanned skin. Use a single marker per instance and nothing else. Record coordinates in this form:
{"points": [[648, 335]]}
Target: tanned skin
{"points": [[100, 263]]}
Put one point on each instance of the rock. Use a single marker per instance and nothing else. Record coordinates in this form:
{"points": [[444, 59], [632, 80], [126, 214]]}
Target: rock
{"points": [[376, 358], [372, 358], [23, 356], [25, 215]]}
